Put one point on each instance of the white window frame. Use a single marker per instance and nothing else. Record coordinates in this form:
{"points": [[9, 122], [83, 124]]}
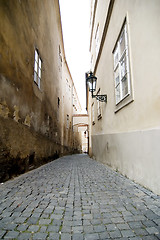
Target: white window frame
{"points": [[37, 68], [122, 74]]}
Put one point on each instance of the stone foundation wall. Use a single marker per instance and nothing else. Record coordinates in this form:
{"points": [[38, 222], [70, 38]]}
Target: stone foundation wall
{"points": [[22, 149], [134, 154]]}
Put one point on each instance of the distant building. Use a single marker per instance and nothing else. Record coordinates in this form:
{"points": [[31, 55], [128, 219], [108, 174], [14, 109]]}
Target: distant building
{"points": [[70, 106], [80, 126], [36, 87], [124, 46]]}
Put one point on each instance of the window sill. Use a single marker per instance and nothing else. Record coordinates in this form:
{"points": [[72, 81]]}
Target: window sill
{"points": [[124, 102]]}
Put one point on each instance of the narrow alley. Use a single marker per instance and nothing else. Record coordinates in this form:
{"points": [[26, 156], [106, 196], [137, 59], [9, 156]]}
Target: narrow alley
{"points": [[75, 197]]}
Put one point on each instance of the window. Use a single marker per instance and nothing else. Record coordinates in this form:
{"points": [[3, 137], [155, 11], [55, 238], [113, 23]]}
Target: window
{"points": [[60, 59], [67, 122], [91, 62], [99, 109], [122, 69], [97, 40], [58, 102], [67, 86], [58, 108], [93, 120], [68, 89], [37, 69]]}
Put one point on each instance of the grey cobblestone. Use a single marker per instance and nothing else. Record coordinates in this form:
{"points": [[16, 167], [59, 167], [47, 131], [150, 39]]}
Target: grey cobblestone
{"points": [[134, 225], [77, 236], [53, 236], [44, 221], [41, 236], [93, 236], [11, 235], [33, 228], [123, 226], [128, 233], [152, 230], [2, 233], [53, 228], [77, 198], [66, 236], [22, 227], [115, 234], [24, 236]]}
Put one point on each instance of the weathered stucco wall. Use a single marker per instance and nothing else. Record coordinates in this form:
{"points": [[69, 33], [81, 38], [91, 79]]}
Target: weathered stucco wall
{"points": [[67, 106], [31, 120]]}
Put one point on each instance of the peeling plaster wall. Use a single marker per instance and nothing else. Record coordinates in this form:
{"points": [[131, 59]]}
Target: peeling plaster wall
{"points": [[30, 130]]}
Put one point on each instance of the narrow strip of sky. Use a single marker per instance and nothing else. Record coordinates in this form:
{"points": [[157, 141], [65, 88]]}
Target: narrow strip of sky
{"points": [[75, 15]]}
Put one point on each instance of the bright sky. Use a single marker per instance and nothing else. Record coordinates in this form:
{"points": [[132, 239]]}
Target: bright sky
{"points": [[75, 15]]}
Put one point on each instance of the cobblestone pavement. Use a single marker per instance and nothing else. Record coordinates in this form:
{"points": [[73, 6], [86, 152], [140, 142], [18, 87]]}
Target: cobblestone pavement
{"points": [[77, 198]]}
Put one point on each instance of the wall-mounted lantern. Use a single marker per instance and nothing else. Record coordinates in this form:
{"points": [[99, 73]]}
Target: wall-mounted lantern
{"points": [[91, 80]]}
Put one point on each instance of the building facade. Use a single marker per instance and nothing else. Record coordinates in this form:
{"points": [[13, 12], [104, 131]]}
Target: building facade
{"points": [[124, 45], [70, 105], [35, 113]]}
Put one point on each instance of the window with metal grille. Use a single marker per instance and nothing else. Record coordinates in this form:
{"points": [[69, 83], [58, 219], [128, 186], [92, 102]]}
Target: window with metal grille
{"points": [[37, 69]]}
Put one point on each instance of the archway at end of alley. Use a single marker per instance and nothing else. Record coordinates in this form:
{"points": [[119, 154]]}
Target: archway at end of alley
{"points": [[80, 124]]}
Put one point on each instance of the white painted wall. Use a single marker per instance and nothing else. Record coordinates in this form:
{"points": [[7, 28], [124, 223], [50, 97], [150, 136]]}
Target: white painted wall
{"points": [[128, 140]]}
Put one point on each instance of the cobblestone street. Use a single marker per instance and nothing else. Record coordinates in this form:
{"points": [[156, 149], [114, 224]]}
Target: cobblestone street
{"points": [[77, 198]]}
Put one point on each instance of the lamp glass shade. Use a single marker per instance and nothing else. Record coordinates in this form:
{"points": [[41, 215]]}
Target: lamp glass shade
{"points": [[91, 80], [94, 84]]}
